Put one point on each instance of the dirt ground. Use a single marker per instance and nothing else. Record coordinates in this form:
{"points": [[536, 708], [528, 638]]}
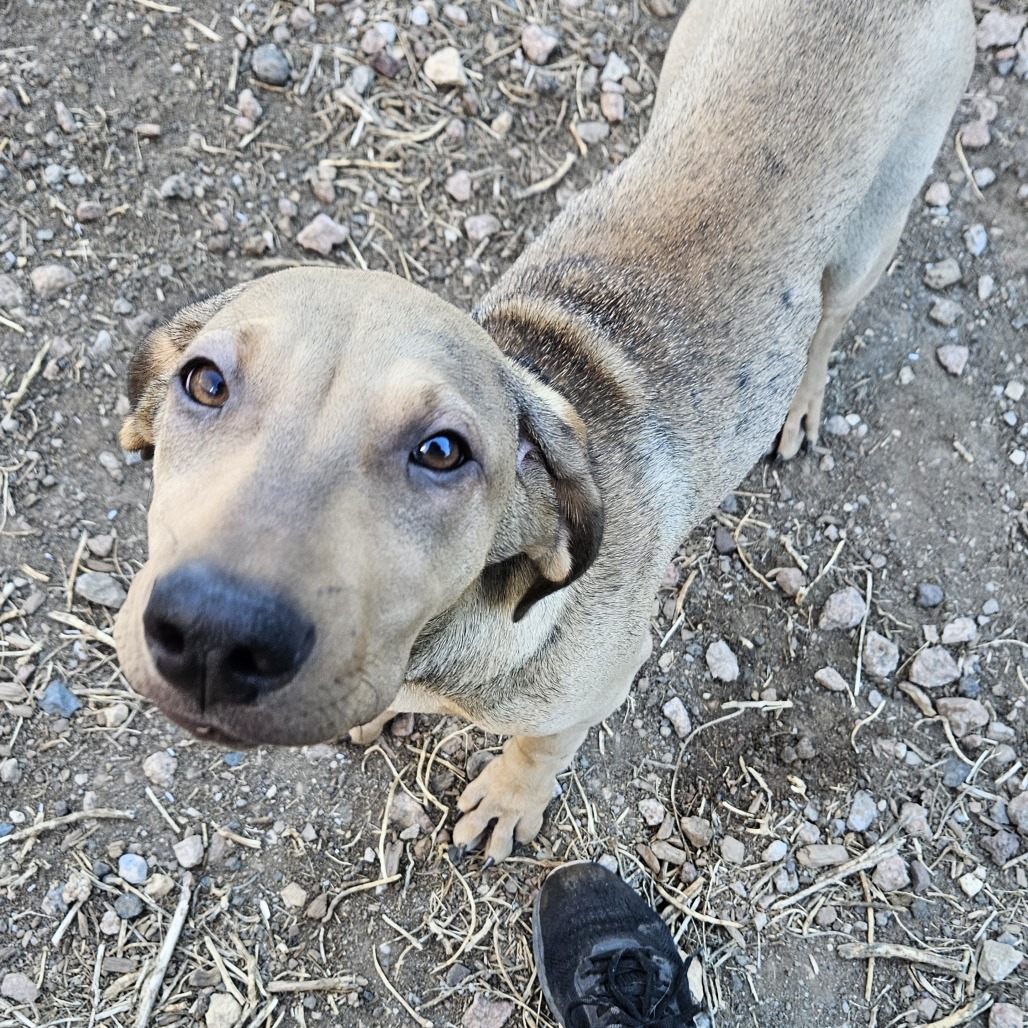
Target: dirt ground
{"points": [[321, 885]]}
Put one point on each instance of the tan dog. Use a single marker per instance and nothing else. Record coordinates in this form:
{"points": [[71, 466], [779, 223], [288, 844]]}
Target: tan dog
{"points": [[365, 502]]}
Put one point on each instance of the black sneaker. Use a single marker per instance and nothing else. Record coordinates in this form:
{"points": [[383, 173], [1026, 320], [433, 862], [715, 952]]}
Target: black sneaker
{"points": [[605, 959]]}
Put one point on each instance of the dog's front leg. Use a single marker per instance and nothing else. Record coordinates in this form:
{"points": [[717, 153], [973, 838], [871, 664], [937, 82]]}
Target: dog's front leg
{"points": [[508, 799]]}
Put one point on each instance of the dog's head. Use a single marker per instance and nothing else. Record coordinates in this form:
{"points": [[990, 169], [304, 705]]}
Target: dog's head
{"points": [[338, 458]]}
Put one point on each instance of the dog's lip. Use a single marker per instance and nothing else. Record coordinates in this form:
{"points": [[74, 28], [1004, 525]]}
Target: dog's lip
{"points": [[206, 731]]}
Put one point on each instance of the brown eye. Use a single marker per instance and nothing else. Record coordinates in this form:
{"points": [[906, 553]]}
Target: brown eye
{"points": [[205, 384], [443, 452]]}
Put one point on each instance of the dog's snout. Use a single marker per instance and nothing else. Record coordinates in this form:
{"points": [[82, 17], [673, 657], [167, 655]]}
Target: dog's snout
{"points": [[222, 638]]}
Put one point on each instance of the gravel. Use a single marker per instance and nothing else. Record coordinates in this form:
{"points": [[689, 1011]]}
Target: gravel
{"points": [[100, 588], [891, 874], [49, 280], [929, 594], [880, 655], [843, 609], [933, 668], [270, 65], [997, 960], [863, 812], [722, 662]]}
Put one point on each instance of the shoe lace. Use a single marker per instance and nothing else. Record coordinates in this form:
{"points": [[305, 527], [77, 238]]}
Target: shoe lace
{"points": [[629, 986]]}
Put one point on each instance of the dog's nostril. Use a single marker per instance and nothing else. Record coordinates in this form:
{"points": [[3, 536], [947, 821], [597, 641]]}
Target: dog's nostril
{"points": [[169, 638], [253, 660]]}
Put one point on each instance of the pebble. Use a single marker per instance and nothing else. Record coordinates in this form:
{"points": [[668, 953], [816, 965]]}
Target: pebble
{"points": [[998, 28], [891, 874], [724, 543], [176, 187], [653, 811], [954, 772], [1017, 457], [592, 132], [942, 274], [959, 631], [822, 855], [101, 588], [294, 895], [984, 177], [19, 987], [444, 68], [914, 819], [322, 234], [487, 1013], [976, 239], [11, 294], [128, 905], [481, 226], [790, 581], [189, 852], [946, 312], [880, 655], [830, 679], [406, 812], [962, 713], [664, 850], [1002, 846], [775, 851], [89, 210], [132, 868], [786, 882], [362, 78], [843, 609], [975, 135], [997, 960], [160, 768], [863, 811], [458, 185], [1014, 390], [58, 700], [615, 69], [1006, 1015], [223, 1011], [921, 877], [933, 667], [722, 662], [674, 710], [159, 886], [10, 771], [953, 357], [986, 286], [539, 42], [698, 831], [733, 851], [929, 594], [270, 65], [50, 279], [838, 425], [1017, 811], [937, 195], [612, 105], [110, 923]]}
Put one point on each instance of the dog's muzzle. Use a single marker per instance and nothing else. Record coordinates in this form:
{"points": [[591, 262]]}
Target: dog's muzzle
{"points": [[223, 639]]}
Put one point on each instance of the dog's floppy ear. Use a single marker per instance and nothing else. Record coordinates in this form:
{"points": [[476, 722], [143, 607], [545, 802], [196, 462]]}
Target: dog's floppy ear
{"points": [[153, 362], [556, 517]]}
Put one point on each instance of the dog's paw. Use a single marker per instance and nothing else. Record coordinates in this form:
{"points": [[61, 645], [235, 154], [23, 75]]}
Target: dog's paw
{"points": [[366, 734], [802, 422], [503, 805]]}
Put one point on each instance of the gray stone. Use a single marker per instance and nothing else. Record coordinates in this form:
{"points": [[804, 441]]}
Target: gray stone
{"points": [[998, 28], [830, 679], [724, 543], [481, 226], [921, 878], [19, 988], [101, 588], [953, 357], [50, 279], [653, 811], [176, 187], [58, 700], [539, 42], [674, 710], [592, 132], [933, 667], [223, 1011], [11, 294], [914, 818], [790, 581], [863, 811], [1006, 1015], [189, 852], [843, 609], [822, 855], [322, 234], [361, 78], [954, 772], [998, 960], [160, 768], [458, 185], [880, 655], [487, 1013], [946, 312], [722, 662], [786, 882], [775, 851], [128, 905], [1017, 811], [962, 713], [976, 240], [929, 594], [615, 69], [1002, 846], [959, 631], [942, 274], [891, 874], [444, 68], [975, 135], [937, 195], [838, 425], [698, 831], [733, 851], [132, 868], [270, 65]]}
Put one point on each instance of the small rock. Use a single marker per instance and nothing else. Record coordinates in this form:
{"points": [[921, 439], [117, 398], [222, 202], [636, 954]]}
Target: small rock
{"points": [[698, 831], [929, 594], [733, 851], [722, 662], [539, 43], [975, 135], [110, 923], [10, 771], [189, 852], [914, 819], [976, 240], [1014, 390], [663, 850], [937, 195], [954, 772], [612, 106], [962, 713], [971, 884], [723, 541], [361, 79], [592, 132], [959, 631], [674, 710], [653, 811], [837, 425], [223, 1011], [294, 895], [1002, 846], [953, 357], [270, 65], [822, 855], [89, 210], [317, 908], [458, 185], [984, 177], [880, 655], [933, 667], [942, 274], [830, 679], [148, 130], [247, 104], [481, 226], [11, 294], [50, 279], [176, 187], [921, 878], [406, 812], [997, 960], [615, 69], [786, 882], [1006, 1015], [843, 609], [132, 868], [373, 41], [160, 768], [444, 68], [386, 64], [128, 905], [487, 1013], [863, 811], [946, 312], [775, 851], [891, 874], [998, 28], [19, 988], [790, 581], [322, 234], [101, 588], [58, 700], [1017, 811], [986, 286]]}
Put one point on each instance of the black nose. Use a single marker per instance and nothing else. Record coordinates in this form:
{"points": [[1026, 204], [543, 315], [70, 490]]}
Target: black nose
{"points": [[222, 638]]}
